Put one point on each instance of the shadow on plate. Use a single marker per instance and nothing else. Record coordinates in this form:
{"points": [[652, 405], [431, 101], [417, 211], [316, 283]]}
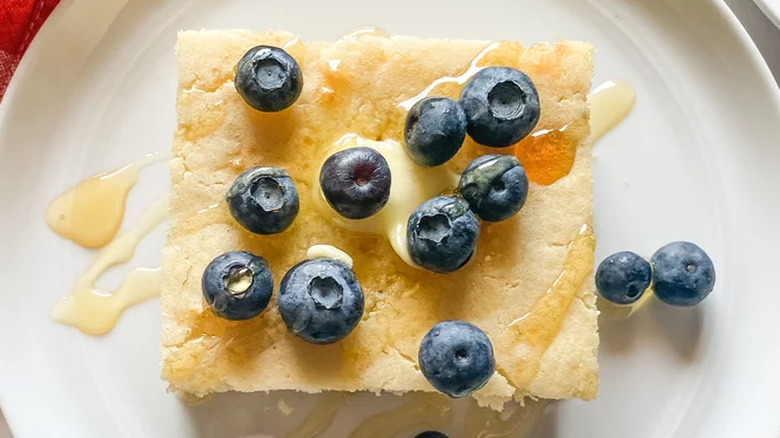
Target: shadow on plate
{"points": [[680, 327], [239, 414], [547, 427], [295, 415], [617, 330]]}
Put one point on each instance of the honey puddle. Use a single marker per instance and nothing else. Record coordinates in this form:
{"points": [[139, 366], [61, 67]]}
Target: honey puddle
{"points": [[610, 103], [548, 155], [91, 212], [95, 312]]}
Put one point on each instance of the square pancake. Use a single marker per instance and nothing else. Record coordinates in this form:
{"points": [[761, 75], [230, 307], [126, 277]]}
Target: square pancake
{"points": [[529, 286]]}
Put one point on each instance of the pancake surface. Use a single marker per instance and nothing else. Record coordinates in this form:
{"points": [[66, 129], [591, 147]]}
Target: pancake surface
{"points": [[545, 342]]}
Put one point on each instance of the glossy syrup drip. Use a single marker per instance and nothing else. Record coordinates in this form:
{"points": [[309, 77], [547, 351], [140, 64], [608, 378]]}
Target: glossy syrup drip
{"points": [[94, 311], [547, 155], [91, 212], [487, 423], [610, 103], [496, 53], [431, 410], [536, 330], [322, 415]]}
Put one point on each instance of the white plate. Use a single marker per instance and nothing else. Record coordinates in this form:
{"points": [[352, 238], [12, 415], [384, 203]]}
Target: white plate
{"points": [[771, 8], [697, 160]]}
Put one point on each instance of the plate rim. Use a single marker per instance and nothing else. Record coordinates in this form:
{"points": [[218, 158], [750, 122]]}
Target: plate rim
{"points": [[47, 35], [771, 12]]}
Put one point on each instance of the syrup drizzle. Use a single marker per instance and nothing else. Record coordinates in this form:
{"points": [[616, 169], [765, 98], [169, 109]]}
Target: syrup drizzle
{"points": [[94, 311], [548, 154], [610, 103], [91, 212], [538, 329], [459, 79]]}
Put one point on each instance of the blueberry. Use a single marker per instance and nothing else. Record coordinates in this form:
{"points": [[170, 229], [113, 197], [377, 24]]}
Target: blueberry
{"points": [[320, 300], [435, 130], [495, 186], [268, 79], [441, 234], [457, 358], [683, 274], [237, 285], [356, 182], [501, 105], [431, 434], [263, 200], [623, 277]]}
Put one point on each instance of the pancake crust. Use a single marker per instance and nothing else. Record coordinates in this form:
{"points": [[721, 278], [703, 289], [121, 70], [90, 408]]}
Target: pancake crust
{"points": [[354, 85]]}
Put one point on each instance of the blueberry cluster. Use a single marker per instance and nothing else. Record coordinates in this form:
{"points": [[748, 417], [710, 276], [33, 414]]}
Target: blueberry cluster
{"points": [[442, 233], [498, 107], [320, 300], [681, 274]]}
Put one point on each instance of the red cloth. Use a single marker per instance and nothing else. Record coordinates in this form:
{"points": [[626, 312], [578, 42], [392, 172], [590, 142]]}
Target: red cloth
{"points": [[19, 22]]}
